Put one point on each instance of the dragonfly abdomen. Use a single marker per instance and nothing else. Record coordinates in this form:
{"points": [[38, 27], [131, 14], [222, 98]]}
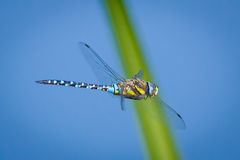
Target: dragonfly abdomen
{"points": [[75, 84]]}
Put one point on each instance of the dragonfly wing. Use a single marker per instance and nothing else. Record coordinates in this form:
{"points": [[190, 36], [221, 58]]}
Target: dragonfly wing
{"points": [[104, 73], [139, 74], [123, 103], [174, 117]]}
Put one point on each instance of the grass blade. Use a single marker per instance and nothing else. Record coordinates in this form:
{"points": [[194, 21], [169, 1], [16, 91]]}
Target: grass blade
{"points": [[158, 139]]}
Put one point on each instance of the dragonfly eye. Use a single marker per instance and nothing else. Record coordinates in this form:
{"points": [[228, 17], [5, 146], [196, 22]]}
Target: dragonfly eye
{"points": [[152, 89]]}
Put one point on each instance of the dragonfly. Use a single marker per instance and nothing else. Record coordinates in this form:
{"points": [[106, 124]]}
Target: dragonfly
{"points": [[135, 88]]}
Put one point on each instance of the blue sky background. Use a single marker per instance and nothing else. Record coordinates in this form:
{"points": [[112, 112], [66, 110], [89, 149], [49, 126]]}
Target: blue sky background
{"points": [[192, 48]]}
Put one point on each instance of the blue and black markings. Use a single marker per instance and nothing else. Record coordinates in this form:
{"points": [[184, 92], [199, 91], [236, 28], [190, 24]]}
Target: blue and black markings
{"points": [[75, 84]]}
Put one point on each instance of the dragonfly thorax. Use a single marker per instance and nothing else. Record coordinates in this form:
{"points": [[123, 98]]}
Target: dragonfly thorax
{"points": [[132, 89]]}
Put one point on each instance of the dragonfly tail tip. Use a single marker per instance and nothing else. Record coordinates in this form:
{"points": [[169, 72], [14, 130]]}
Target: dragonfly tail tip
{"points": [[40, 81]]}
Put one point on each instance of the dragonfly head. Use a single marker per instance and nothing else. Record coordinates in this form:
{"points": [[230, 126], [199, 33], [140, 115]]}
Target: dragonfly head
{"points": [[152, 89]]}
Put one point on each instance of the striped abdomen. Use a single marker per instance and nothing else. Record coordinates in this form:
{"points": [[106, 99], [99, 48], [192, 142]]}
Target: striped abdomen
{"points": [[75, 84]]}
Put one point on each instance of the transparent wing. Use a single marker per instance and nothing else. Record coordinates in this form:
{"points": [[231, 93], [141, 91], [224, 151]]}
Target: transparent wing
{"points": [[122, 103], [139, 75], [104, 73], [174, 117]]}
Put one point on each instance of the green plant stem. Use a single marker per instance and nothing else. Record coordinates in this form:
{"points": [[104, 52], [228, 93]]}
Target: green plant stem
{"points": [[158, 139]]}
